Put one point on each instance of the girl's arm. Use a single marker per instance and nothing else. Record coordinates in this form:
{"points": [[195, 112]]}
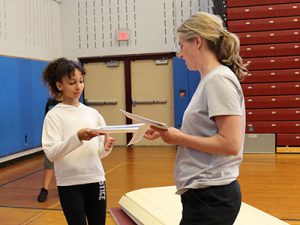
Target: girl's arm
{"points": [[53, 145], [106, 143]]}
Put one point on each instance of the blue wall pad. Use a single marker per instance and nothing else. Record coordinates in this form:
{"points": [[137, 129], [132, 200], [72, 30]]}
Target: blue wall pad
{"points": [[23, 99], [185, 84]]}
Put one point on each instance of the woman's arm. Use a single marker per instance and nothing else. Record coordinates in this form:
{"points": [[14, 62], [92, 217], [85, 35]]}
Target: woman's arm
{"points": [[227, 141]]}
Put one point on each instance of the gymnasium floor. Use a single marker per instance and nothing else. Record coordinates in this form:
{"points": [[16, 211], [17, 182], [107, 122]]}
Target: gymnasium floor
{"points": [[270, 182]]}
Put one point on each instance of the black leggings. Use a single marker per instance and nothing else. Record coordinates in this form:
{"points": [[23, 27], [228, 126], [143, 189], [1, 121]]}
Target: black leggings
{"points": [[84, 202], [215, 205]]}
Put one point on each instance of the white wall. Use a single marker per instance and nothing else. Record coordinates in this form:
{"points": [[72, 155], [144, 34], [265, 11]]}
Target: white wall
{"points": [[90, 26], [30, 29], [46, 29]]}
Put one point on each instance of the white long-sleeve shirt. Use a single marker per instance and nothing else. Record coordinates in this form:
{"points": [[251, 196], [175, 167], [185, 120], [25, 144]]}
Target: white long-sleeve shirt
{"points": [[75, 161]]}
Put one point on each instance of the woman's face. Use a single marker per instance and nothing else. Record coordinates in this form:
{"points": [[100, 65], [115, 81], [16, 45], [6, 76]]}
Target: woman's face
{"points": [[72, 87], [188, 51]]}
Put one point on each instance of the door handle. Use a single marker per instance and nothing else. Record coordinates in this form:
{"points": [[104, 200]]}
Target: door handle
{"points": [[147, 102], [100, 102]]}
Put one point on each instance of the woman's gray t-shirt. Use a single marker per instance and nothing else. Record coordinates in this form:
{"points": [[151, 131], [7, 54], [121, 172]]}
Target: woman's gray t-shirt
{"points": [[218, 93]]}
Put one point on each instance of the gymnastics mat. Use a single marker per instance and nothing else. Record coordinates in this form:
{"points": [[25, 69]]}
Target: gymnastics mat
{"points": [[161, 206], [120, 217]]}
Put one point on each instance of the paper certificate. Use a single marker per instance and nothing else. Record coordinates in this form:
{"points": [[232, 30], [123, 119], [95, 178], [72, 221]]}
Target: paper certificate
{"points": [[144, 120], [138, 131], [131, 128]]}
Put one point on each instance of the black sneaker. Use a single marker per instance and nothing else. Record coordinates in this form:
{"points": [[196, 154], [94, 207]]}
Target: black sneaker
{"points": [[42, 195]]}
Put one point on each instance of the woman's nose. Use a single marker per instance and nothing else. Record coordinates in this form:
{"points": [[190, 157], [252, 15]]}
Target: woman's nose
{"points": [[179, 54]]}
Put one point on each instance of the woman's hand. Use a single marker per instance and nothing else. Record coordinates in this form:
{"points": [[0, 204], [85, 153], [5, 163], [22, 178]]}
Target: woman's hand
{"points": [[170, 136], [151, 134], [108, 142]]}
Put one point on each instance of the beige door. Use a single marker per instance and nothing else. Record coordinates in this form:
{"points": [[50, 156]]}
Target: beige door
{"points": [[152, 93], [105, 91]]}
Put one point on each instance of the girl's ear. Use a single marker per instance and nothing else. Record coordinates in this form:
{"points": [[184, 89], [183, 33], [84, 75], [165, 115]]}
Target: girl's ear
{"points": [[59, 85]]}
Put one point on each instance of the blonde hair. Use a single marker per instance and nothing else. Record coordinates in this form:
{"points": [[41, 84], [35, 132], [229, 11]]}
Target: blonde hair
{"points": [[224, 44]]}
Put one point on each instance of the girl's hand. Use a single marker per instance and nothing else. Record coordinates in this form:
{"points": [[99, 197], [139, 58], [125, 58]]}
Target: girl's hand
{"points": [[87, 134], [108, 142]]}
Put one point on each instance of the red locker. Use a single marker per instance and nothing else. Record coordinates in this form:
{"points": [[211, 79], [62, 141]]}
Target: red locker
{"points": [[272, 76], [262, 102], [291, 88], [279, 23], [252, 12], [288, 139], [287, 62], [270, 50], [273, 114], [262, 37], [273, 127], [236, 3]]}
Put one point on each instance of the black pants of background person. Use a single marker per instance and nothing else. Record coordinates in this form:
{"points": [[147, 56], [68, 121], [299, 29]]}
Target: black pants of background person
{"points": [[217, 205], [84, 202]]}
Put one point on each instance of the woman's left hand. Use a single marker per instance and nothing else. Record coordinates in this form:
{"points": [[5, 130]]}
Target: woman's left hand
{"points": [[170, 136], [108, 142]]}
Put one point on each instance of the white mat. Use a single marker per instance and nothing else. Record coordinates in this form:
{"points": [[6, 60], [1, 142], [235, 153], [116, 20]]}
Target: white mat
{"points": [[161, 206]]}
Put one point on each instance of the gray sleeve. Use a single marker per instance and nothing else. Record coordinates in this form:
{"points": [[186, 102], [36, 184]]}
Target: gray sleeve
{"points": [[224, 96]]}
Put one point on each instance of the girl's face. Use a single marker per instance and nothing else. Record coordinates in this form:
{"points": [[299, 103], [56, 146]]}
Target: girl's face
{"points": [[71, 88]]}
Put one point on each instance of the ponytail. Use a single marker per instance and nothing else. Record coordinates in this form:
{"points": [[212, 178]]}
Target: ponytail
{"points": [[228, 54]]}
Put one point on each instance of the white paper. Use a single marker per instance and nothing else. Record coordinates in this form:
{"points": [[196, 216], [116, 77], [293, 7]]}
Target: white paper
{"points": [[138, 135], [138, 131], [144, 120], [130, 128]]}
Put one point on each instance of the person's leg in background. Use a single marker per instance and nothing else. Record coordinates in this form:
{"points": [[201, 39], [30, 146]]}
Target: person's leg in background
{"points": [[48, 174]]}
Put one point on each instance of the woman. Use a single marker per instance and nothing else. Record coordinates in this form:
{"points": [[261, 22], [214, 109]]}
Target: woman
{"points": [[210, 142]]}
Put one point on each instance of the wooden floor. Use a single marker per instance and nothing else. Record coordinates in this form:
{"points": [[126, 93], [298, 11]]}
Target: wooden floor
{"points": [[270, 182]]}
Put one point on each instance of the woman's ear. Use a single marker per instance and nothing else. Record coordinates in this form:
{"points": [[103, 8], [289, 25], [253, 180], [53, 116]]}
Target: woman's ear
{"points": [[59, 85], [198, 42]]}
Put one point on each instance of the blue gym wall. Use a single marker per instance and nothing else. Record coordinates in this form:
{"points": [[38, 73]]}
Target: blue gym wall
{"points": [[23, 97], [185, 84]]}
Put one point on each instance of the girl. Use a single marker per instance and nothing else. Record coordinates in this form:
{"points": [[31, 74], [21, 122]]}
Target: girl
{"points": [[70, 140]]}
